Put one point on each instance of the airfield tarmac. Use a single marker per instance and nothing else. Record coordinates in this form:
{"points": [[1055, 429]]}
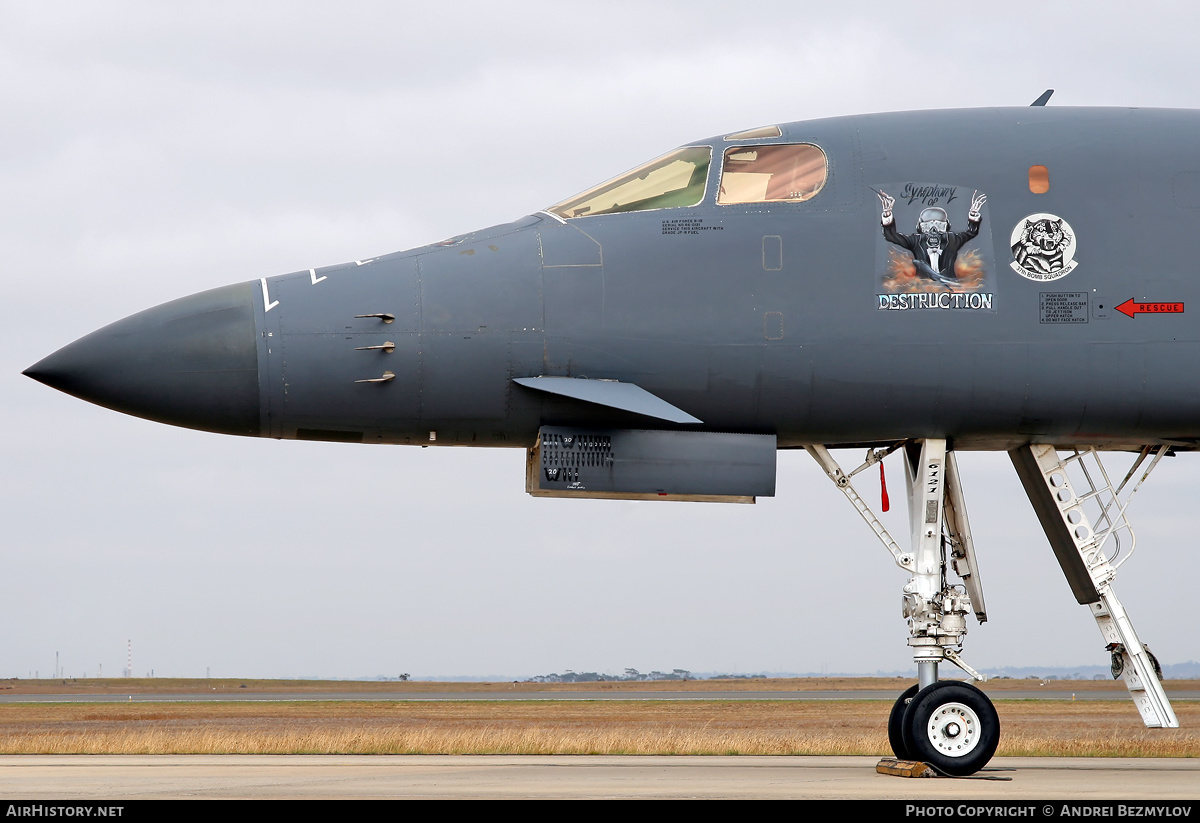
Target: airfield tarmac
{"points": [[132, 777], [137, 776], [136, 690]]}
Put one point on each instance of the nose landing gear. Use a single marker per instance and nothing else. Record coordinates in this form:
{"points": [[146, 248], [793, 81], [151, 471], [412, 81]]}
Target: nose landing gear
{"points": [[896, 722], [950, 725]]}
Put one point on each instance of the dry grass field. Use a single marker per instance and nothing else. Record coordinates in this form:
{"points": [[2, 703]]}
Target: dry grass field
{"points": [[841, 727]]}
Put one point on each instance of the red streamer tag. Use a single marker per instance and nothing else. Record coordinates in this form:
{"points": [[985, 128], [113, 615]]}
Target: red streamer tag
{"points": [[887, 504]]}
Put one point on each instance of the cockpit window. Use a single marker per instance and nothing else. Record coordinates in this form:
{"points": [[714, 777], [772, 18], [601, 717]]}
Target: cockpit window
{"points": [[768, 174], [673, 180], [760, 133]]}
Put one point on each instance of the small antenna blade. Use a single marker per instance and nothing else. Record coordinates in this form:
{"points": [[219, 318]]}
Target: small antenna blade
{"points": [[1041, 101]]}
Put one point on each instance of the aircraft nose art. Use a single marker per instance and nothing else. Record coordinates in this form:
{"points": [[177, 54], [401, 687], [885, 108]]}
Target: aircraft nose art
{"points": [[192, 362]]}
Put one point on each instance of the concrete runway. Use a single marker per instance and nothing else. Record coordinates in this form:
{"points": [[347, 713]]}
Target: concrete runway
{"points": [[114, 778]]}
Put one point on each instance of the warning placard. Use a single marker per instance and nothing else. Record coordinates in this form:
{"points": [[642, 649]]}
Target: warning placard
{"points": [[1064, 307]]}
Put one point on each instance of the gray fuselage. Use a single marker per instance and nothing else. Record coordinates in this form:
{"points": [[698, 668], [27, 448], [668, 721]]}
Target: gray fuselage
{"points": [[756, 317]]}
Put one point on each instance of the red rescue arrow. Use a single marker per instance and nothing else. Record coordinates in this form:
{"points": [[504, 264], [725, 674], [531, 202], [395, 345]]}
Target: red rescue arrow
{"points": [[1131, 308]]}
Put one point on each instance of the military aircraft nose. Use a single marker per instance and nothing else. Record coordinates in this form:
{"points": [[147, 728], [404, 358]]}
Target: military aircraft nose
{"points": [[192, 362]]}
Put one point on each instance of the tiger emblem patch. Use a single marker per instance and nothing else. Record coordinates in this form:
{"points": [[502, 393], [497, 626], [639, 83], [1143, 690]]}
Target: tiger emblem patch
{"points": [[1043, 247]]}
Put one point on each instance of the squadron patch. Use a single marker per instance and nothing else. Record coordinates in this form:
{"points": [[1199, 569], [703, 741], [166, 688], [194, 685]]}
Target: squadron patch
{"points": [[934, 267], [1043, 247]]}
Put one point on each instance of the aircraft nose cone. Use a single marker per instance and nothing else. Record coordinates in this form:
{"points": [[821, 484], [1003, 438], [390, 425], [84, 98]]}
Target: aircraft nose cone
{"points": [[192, 362]]}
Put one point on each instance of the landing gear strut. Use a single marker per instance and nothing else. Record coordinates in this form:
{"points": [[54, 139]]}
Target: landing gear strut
{"points": [[953, 725], [950, 725]]}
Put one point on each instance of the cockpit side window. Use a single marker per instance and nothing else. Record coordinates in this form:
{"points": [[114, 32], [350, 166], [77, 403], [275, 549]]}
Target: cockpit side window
{"points": [[770, 174], [676, 179]]}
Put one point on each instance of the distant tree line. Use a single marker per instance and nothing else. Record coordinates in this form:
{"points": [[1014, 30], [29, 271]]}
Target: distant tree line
{"points": [[630, 675]]}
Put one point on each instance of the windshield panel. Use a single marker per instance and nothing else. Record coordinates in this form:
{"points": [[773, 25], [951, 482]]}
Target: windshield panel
{"points": [[676, 179], [760, 133], [766, 174]]}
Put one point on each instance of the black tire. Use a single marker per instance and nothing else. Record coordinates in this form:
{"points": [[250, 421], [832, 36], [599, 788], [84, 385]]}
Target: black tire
{"points": [[952, 726], [896, 722]]}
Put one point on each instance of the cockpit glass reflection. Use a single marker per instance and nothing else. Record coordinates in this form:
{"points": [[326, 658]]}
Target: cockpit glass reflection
{"points": [[767, 174], [676, 179]]}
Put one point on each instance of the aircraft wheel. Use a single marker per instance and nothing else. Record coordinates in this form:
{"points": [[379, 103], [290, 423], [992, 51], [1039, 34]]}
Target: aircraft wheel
{"points": [[896, 722], [952, 726]]}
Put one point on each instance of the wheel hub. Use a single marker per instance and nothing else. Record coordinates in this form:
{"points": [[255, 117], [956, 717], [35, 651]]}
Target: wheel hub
{"points": [[954, 729]]}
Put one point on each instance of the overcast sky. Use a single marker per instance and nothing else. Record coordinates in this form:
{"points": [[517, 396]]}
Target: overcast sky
{"points": [[152, 150]]}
